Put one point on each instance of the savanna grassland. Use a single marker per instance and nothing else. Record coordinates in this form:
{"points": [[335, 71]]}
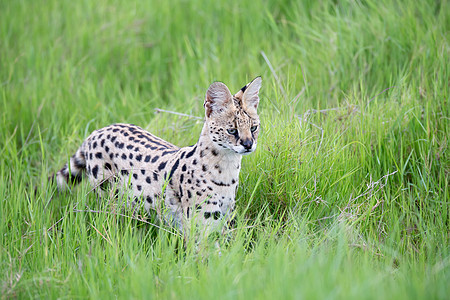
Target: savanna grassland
{"points": [[346, 197]]}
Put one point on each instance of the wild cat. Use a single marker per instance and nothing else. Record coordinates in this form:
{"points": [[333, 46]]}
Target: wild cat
{"points": [[198, 180]]}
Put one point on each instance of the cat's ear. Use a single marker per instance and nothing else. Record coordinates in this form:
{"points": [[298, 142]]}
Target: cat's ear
{"points": [[250, 98], [218, 99]]}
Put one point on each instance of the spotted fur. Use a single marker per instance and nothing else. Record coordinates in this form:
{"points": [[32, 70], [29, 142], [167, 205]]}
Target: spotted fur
{"points": [[199, 180]]}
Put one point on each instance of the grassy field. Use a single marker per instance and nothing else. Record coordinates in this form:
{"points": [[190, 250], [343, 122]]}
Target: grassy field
{"points": [[346, 196]]}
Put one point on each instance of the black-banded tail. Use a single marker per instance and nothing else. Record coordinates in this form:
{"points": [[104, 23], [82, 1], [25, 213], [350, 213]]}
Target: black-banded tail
{"points": [[72, 172]]}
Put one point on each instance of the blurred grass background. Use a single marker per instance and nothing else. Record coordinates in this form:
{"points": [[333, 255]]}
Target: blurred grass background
{"points": [[346, 197]]}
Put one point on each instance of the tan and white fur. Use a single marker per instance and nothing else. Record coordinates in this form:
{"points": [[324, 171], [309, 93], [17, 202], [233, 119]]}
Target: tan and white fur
{"points": [[199, 180]]}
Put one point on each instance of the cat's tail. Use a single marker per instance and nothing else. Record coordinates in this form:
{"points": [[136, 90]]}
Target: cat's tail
{"points": [[72, 172]]}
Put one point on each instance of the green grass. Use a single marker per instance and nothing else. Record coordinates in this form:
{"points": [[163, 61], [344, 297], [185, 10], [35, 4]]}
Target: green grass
{"points": [[346, 196]]}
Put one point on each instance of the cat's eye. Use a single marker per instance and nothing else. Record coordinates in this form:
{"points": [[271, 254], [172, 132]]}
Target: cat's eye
{"points": [[253, 128], [232, 131]]}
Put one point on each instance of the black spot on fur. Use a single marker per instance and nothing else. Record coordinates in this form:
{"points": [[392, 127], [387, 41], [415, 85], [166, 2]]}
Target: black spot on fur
{"points": [[149, 199], [130, 156], [207, 215], [124, 156], [155, 176], [194, 162], [162, 165], [139, 157], [214, 152], [181, 192], [189, 194], [95, 171], [216, 215], [147, 158], [94, 145], [108, 166], [121, 145], [220, 183], [168, 152], [124, 172], [98, 155], [150, 147], [155, 158], [178, 196], [106, 149], [174, 168], [204, 168], [148, 180], [135, 176], [102, 143], [142, 171], [139, 188], [191, 153]]}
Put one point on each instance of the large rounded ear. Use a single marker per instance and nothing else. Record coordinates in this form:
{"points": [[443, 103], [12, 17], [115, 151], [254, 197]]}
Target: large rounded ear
{"points": [[218, 99], [250, 98]]}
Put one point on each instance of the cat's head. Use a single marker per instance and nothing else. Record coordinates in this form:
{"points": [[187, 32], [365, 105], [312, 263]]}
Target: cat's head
{"points": [[232, 120]]}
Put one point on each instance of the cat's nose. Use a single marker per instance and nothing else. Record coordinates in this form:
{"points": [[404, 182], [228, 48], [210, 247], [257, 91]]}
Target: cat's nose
{"points": [[248, 143]]}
